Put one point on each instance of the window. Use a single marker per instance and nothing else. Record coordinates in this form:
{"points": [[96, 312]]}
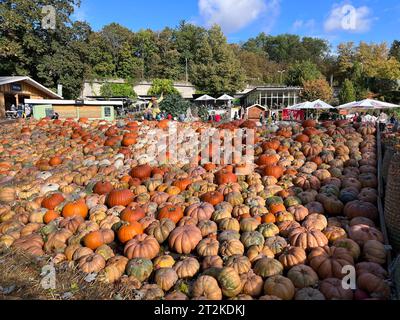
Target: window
{"points": [[49, 112], [107, 112]]}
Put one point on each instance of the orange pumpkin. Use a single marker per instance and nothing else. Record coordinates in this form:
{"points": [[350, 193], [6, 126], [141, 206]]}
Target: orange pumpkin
{"points": [[93, 240], [273, 171], [132, 214], [55, 161], [182, 184], [268, 218], [224, 176], [49, 216], [213, 197], [102, 188], [174, 213], [51, 202], [77, 208], [141, 172], [128, 232], [120, 198]]}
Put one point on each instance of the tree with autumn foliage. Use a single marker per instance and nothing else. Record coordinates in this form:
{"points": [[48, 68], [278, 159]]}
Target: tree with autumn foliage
{"points": [[317, 89]]}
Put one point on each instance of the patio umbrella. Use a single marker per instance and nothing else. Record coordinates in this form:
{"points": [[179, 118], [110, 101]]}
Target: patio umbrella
{"points": [[369, 104], [205, 98], [300, 106], [225, 97]]}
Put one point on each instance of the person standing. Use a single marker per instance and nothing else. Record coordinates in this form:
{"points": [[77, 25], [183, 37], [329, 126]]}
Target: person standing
{"points": [[383, 119], [217, 118]]}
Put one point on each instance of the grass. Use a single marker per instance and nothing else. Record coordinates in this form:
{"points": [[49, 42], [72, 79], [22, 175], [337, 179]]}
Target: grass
{"points": [[20, 278]]}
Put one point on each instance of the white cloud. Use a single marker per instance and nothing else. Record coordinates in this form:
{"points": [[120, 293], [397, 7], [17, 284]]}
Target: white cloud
{"points": [[347, 18], [234, 15]]}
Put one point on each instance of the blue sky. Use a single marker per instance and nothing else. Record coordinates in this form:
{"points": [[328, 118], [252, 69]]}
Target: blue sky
{"points": [[336, 21]]}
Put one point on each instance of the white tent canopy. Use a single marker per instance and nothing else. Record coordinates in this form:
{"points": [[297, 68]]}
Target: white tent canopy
{"points": [[225, 97], [315, 105], [205, 98], [369, 104]]}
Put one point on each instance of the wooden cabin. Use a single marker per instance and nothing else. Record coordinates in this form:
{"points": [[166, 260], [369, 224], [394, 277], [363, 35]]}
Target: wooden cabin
{"points": [[93, 110], [254, 112], [16, 90]]}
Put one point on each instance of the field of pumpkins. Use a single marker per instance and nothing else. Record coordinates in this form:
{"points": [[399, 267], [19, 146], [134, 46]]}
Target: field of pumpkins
{"points": [[282, 228]]}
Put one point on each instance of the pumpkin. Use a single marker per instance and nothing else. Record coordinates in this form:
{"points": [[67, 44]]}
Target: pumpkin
{"points": [[94, 240], [184, 239], [231, 247], [164, 261], [374, 286], [273, 171], [53, 201], [361, 233], [103, 187], [309, 294], [129, 231], [206, 286], [332, 289], [32, 244], [114, 269], [241, 264], [315, 221], [252, 238], [141, 172], [307, 238], [160, 230], [229, 281], [224, 177], [358, 208], [187, 268], [280, 287], [352, 247], [268, 267], [165, 278], [132, 214], [49, 216], [328, 262], [211, 262], [139, 269], [252, 284], [119, 198], [142, 246], [268, 230], [303, 276], [292, 256], [92, 263], [374, 251], [200, 211], [77, 208], [171, 212], [299, 212], [208, 247], [207, 227]]}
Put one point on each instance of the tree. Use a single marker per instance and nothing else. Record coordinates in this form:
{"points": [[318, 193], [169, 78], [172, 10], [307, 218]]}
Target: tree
{"points": [[317, 89], [215, 68], [175, 105], [347, 93], [300, 72], [162, 86], [395, 50], [110, 90], [129, 67]]}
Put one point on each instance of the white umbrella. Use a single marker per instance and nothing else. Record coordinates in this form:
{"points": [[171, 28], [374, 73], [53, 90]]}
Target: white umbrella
{"points": [[300, 106], [225, 97], [320, 105], [205, 98], [369, 104]]}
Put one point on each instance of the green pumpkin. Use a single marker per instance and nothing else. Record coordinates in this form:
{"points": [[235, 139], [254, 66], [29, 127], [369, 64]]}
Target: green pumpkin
{"points": [[139, 268], [274, 200], [229, 281], [268, 230], [292, 201], [253, 238], [228, 235]]}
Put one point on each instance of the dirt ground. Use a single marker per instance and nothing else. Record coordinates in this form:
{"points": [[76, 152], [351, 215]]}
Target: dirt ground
{"points": [[21, 277]]}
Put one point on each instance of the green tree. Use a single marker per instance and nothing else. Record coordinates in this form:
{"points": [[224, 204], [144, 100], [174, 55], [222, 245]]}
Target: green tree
{"points": [[300, 72], [395, 50], [110, 90], [129, 67], [175, 105], [162, 86], [215, 68], [347, 93], [317, 89]]}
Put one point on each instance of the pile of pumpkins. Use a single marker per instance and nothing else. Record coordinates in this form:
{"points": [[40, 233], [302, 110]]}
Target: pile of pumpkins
{"points": [[289, 226]]}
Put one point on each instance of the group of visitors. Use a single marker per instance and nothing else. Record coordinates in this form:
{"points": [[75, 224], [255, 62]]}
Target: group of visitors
{"points": [[162, 116], [382, 119], [214, 117], [21, 111]]}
